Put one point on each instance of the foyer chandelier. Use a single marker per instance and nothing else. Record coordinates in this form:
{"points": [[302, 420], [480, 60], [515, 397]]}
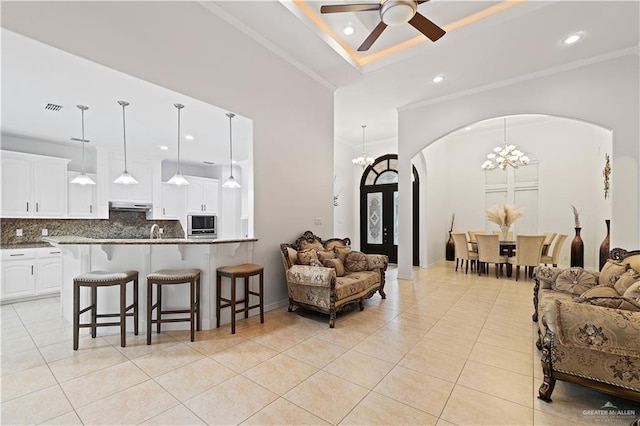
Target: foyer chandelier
{"points": [[505, 155], [363, 160]]}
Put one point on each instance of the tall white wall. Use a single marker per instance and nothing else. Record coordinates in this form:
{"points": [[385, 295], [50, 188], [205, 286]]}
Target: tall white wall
{"points": [[603, 92], [570, 157], [184, 47]]}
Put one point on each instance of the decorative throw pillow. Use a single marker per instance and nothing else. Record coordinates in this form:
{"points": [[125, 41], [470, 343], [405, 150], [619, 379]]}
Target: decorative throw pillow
{"points": [[308, 245], [293, 256], [335, 264], [315, 262], [305, 256], [611, 271], [575, 281], [626, 280], [326, 254], [341, 252], [355, 262], [600, 291], [336, 242], [633, 292], [618, 302]]}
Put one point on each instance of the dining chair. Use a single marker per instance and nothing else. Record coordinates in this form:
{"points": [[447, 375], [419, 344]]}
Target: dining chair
{"points": [[462, 250], [528, 253], [548, 239], [555, 253], [489, 252], [472, 239]]}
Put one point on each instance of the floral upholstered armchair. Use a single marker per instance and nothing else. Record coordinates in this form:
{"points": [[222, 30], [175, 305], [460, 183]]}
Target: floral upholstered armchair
{"points": [[590, 325], [327, 276]]}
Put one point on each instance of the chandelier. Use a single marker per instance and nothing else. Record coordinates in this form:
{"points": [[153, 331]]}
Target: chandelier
{"points": [[363, 160], [505, 155]]}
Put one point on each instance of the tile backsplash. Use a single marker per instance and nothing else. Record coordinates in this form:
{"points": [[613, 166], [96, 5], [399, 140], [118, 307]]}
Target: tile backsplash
{"points": [[119, 225]]}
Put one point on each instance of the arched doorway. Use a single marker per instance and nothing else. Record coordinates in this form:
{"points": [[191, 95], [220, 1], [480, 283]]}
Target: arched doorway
{"points": [[379, 209]]}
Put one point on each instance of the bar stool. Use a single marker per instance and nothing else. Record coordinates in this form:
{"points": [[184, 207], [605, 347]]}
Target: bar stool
{"points": [[173, 277], [93, 280], [245, 271]]}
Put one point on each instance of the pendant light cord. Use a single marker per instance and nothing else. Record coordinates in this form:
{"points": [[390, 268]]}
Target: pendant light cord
{"points": [[230, 115], [179, 107], [124, 133], [84, 167], [363, 127]]}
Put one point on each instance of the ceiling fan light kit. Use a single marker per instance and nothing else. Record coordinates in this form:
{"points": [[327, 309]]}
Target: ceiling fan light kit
{"points": [[392, 13]]}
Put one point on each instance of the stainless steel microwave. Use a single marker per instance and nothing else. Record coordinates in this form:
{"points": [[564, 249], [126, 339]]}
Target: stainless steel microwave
{"points": [[202, 226]]}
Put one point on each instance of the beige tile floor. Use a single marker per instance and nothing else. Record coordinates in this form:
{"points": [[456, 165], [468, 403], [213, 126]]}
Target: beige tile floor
{"points": [[444, 348]]}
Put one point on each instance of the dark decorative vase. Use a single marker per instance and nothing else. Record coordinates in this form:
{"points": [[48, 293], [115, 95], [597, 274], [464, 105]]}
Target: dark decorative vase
{"points": [[604, 247], [577, 250], [450, 253]]}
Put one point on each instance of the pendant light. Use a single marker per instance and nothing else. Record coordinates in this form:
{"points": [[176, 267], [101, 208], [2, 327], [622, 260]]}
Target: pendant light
{"points": [[178, 179], [363, 160], [231, 182], [125, 178], [82, 178]]}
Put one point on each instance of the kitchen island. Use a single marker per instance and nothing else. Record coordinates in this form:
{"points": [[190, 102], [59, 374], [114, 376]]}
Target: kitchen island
{"points": [[80, 255]]}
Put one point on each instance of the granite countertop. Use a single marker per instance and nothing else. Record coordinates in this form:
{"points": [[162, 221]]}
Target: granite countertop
{"points": [[69, 239], [22, 246]]}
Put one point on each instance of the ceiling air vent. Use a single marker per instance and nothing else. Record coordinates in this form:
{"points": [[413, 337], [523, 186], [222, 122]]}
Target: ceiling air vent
{"points": [[53, 107]]}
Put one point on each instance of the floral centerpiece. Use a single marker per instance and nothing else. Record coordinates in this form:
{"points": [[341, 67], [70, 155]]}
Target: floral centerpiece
{"points": [[504, 215]]}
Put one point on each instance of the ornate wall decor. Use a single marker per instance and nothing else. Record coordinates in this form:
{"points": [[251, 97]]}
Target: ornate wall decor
{"points": [[606, 172]]}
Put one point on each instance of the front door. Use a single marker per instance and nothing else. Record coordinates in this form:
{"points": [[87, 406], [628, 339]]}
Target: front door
{"points": [[379, 233]]}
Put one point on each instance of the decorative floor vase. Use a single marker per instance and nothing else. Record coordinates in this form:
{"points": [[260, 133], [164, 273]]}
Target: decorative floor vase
{"points": [[577, 250], [604, 247], [450, 253]]}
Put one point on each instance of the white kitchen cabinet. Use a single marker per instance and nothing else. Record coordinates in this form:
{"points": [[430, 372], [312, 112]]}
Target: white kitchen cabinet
{"points": [[141, 171], [33, 185], [172, 201], [82, 198], [31, 272], [202, 195]]}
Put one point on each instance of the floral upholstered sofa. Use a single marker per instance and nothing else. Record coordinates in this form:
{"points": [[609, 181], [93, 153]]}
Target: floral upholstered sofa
{"points": [[589, 329], [327, 276]]}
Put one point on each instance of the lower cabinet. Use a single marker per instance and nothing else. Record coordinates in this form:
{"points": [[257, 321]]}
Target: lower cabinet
{"points": [[30, 272]]}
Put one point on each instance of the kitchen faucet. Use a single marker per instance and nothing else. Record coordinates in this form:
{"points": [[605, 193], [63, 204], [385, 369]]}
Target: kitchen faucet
{"points": [[155, 232]]}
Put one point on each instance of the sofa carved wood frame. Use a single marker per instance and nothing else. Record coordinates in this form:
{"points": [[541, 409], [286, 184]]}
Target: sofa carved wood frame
{"points": [[547, 344], [332, 310]]}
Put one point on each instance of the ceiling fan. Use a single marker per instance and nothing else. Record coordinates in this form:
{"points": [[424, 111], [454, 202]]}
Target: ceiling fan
{"points": [[392, 12]]}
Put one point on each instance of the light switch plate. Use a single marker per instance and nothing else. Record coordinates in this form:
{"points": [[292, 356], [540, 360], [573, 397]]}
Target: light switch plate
{"points": [[318, 221]]}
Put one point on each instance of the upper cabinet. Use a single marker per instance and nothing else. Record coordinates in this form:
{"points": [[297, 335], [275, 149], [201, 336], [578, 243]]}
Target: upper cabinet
{"points": [[141, 170], [202, 195], [33, 185]]}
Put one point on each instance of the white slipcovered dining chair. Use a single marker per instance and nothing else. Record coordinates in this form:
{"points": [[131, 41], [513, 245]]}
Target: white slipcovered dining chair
{"points": [[462, 250], [489, 252], [528, 253], [548, 239], [555, 253], [472, 240]]}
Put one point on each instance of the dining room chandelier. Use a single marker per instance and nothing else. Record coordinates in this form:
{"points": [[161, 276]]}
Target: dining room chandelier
{"points": [[505, 155], [363, 160]]}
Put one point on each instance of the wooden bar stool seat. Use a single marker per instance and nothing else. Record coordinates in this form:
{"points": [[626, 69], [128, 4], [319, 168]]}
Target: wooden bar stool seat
{"points": [[172, 277], [93, 280], [246, 271]]}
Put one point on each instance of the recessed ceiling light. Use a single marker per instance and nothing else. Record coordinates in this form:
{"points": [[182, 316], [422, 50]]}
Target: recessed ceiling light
{"points": [[573, 38], [188, 137], [164, 147], [467, 128], [349, 29], [438, 78]]}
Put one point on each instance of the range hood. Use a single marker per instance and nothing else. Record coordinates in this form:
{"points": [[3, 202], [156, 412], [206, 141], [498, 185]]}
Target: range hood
{"points": [[126, 206]]}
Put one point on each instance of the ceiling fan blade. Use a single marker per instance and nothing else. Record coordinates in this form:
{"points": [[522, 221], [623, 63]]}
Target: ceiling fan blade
{"points": [[422, 1], [372, 37], [426, 27], [349, 7]]}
